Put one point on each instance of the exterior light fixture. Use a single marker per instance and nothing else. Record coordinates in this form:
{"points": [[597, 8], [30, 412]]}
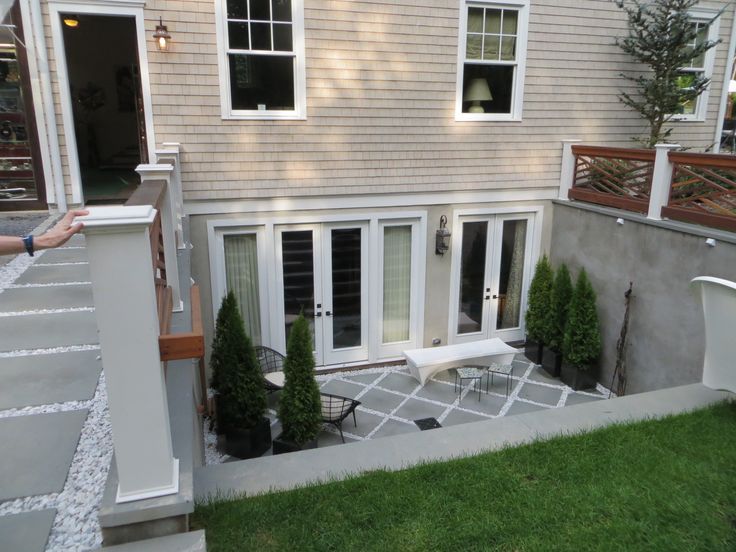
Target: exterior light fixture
{"points": [[71, 21], [162, 36], [442, 240]]}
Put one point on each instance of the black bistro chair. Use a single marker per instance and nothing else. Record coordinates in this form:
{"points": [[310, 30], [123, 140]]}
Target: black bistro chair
{"points": [[272, 366], [336, 408]]}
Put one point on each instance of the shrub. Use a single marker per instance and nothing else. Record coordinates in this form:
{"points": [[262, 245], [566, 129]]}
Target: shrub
{"points": [[557, 319], [582, 342], [236, 374], [300, 409], [539, 303]]}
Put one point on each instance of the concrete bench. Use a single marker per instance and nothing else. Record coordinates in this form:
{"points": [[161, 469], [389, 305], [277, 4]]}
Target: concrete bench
{"points": [[424, 363]]}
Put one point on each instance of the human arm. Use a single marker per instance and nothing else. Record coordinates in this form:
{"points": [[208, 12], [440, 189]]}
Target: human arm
{"points": [[56, 236]]}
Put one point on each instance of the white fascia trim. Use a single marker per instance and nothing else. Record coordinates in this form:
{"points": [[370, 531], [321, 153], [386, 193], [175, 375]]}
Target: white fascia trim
{"points": [[366, 201], [727, 73], [517, 102]]}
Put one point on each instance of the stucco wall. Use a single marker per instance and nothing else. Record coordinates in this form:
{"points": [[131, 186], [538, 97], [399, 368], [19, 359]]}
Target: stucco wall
{"points": [[666, 336]]}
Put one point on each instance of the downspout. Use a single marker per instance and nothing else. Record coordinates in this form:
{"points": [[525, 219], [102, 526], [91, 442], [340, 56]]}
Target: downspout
{"points": [[727, 73], [39, 42]]}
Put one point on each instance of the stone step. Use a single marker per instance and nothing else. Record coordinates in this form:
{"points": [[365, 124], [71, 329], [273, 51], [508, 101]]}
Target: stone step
{"points": [[181, 542]]}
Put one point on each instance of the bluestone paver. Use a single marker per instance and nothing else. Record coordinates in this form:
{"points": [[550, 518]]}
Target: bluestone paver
{"points": [[456, 417], [540, 394], [343, 388], [381, 401], [46, 298], [367, 422], [38, 465], [26, 532], [414, 409], [437, 391], [394, 427], [54, 274], [578, 398], [364, 378], [397, 381], [47, 379], [193, 541], [38, 331], [520, 407]]}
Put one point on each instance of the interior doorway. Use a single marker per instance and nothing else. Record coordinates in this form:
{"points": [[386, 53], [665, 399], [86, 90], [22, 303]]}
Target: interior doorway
{"points": [[102, 62]]}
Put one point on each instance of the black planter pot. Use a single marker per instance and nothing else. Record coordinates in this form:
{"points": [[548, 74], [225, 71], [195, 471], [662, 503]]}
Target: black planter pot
{"points": [[533, 350], [579, 379], [219, 426], [282, 446], [249, 443], [552, 362]]}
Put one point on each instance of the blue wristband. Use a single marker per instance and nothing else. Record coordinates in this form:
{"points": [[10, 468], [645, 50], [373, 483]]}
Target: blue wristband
{"points": [[28, 242]]}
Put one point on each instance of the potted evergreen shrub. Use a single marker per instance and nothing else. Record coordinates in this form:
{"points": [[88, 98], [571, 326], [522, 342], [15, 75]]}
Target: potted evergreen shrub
{"points": [[581, 345], [540, 292], [300, 407], [238, 381], [556, 321]]}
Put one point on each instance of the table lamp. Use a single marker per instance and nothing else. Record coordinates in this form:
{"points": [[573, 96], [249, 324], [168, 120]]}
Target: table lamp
{"points": [[477, 92]]}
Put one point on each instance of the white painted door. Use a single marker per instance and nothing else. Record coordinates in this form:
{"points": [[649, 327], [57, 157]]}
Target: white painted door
{"points": [[322, 272], [490, 275]]}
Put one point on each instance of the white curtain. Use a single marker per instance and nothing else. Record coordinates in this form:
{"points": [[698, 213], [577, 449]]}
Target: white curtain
{"points": [[241, 276], [396, 283], [512, 308]]}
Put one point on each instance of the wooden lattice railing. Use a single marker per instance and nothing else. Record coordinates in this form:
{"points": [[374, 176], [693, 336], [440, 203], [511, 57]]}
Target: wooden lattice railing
{"points": [[703, 190], [615, 177]]}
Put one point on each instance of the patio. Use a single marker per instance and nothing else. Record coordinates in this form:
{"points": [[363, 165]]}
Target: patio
{"points": [[391, 400]]}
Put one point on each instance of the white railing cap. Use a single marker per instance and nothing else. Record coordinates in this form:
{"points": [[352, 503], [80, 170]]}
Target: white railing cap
{"points": [[152, 168], [117, 217]]}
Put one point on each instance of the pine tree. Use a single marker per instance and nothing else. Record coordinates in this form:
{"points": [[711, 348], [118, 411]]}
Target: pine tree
{"points": [[300, 408], [660, 37], [582, 343], [539, 304], [561, 296], [237, 376]]}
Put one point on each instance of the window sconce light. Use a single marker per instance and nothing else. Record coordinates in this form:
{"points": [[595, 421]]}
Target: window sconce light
{"points": [[162, 36], [442, 241], [71, 21]]}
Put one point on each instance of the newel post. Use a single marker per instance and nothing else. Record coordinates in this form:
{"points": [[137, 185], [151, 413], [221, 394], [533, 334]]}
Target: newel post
{"points": [[567, 168], [119, 249], [163, 171], [170, 154], [661, 181]]}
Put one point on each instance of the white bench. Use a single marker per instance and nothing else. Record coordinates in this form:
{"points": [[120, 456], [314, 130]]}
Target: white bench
{"points": [[424, 363]]}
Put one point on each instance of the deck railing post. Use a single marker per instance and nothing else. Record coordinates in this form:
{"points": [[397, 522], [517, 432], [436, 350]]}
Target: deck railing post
{"points": [[170, 153], [661, 181], [163, 171], [119, 249], [567, 168]]}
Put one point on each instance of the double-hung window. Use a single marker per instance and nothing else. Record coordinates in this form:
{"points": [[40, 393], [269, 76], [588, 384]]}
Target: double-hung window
{"points": [[706, 28], [262, 59], [491, 60]]}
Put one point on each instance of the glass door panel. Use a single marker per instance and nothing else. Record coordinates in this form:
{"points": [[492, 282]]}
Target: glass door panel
{"points": [[396, 283], [511, 274], [241, 277], [472, 277], [346, 288], [297, 251]]}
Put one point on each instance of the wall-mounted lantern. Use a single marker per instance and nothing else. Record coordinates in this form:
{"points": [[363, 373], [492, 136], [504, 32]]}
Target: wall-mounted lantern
{"points": [[162, 36], [71, 20], [442, 240]]}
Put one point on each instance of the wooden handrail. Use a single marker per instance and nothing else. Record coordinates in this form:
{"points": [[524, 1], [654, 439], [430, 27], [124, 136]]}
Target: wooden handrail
{"points": [[614, 153], [149, 193], [703, 159], [185, 345]]}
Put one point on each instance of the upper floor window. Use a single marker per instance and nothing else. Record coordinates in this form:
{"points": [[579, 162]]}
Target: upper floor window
{"points": [[262, 59], [700, 67], [491, 60]]}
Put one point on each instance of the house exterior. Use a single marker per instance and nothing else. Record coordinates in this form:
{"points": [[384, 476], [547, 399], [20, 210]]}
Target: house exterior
{"points": [[325, 144]]}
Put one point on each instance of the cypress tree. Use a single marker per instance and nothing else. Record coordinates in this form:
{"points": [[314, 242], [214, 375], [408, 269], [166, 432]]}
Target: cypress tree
{"points": [[582, 342], [540, 296], [561, 296], [300, 408]]}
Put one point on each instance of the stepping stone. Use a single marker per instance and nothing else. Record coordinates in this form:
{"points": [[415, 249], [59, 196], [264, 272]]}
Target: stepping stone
{"points": [[54, 274], [398, 381], [381, 401], [540, 394], [38, 452], [53, 256], [40, 331], [46, 298], [26, 532], [193, 541], [441, 392], [47, 379]]}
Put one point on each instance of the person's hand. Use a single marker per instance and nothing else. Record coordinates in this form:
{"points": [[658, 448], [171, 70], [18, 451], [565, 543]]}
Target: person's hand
{"points": [[60, 233]]}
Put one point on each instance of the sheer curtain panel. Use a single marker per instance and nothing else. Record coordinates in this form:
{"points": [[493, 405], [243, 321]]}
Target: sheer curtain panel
{"points": [[241, 275]]}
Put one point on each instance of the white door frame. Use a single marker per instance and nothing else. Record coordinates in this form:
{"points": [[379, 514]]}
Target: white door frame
{"points": [[534, 238], [130, 8]]}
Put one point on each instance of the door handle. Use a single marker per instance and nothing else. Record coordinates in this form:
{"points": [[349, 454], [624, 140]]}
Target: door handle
{"points": [[488, 297], [495, 296], [328, 313], [317, 314]]}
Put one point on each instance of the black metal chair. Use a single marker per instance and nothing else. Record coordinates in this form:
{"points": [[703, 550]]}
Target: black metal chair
{"points": [[336, 408], [272, 366]]}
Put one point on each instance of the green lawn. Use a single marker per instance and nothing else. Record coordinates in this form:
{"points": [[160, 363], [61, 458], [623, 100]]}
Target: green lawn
{"points": [[659, 485]]}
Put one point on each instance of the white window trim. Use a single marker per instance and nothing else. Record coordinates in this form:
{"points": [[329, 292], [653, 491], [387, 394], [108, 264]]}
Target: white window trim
{"points": [[703, 15], [300, 78], [517, 100]]}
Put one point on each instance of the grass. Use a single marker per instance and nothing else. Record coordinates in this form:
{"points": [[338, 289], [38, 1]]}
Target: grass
{"points": [[657, 485]]}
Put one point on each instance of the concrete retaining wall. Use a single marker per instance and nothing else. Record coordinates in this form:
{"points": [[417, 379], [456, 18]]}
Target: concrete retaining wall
{"points": [[666, 336]]}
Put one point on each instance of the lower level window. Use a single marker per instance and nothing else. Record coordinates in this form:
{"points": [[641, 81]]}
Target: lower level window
{"points": [[241, 277], [396, 283]]}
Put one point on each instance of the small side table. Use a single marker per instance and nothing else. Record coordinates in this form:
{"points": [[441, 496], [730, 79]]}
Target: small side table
{"points": [[505, 369], [470, 373]]}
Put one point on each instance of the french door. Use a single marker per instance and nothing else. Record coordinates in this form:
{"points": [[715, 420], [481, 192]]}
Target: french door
{"points": [[322, 270], [491, 271]]}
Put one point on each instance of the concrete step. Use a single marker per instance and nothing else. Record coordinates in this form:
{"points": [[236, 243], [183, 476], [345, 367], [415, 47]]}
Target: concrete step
{"points": [[181, 542], [287, 471]]}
